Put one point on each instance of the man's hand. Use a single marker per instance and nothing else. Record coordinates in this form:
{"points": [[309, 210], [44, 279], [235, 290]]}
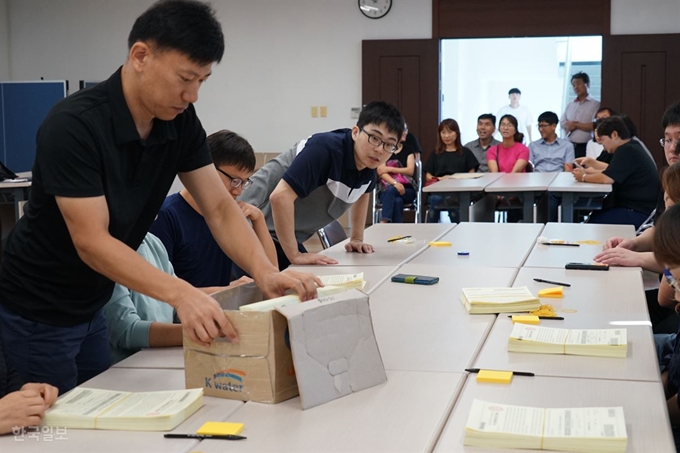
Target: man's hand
{"points": [[250, 211], [49, 393], [311, 258], [570, 125], [620, 242], [22, 408], [276, 284], [400, 188], [358, 246], [618, 256], [202, 317], [578, 173]]}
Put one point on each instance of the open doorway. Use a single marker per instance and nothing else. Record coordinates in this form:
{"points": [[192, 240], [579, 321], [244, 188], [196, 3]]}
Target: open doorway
{"points": [[477, 74]]}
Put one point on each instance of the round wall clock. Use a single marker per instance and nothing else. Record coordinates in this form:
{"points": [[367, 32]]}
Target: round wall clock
{"points": [[375, 9]]}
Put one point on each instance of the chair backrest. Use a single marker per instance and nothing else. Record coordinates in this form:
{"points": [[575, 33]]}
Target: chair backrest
{"points": [[331, 234]]}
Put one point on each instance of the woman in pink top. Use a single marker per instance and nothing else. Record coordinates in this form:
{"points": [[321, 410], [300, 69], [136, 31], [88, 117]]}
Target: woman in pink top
{"points": [[511, 156]]}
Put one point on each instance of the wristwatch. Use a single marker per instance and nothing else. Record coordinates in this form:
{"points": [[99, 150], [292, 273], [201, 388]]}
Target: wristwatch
{"points": [[583, 178], [395, 183]]}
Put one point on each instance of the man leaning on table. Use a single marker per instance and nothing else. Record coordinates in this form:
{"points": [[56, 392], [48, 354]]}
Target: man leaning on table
{"points": [[106, 158]]}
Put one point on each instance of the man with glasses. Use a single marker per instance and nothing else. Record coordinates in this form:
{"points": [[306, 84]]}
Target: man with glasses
{"points": [[180, 225], [550, 153], [321, 177]]}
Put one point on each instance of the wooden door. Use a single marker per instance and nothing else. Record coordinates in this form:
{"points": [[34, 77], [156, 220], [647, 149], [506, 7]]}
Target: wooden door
{"points": [[639, 78], [405, 73]]}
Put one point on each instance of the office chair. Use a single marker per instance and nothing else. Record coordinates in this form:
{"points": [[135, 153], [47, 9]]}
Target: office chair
{"points": [[331, 234]]}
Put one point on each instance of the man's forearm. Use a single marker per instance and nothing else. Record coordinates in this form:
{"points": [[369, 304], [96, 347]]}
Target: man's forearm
{"points": [[358, 212], [265, 238], [283, 212], [165, 335]]}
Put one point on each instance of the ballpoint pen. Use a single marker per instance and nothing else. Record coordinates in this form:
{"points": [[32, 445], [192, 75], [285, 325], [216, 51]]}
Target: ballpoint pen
{"points": [[564, 244], [540, 280], [556, 318], [398, 238], [204, 436], [518, 373]]}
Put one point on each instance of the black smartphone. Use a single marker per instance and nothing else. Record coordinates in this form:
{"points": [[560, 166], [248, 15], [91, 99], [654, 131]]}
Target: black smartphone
{"points": [[415, 279], [587, 267]]}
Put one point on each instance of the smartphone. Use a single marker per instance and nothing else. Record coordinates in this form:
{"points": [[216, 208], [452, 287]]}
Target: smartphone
{"points": [[415, 279], [587, 267]]}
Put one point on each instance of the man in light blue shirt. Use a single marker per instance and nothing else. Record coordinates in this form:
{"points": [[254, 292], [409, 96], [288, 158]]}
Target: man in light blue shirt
{"points": [[550, 153]]}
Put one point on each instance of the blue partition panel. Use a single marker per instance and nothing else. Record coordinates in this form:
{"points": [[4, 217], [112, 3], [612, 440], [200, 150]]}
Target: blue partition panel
{"points": [[25, 105]]}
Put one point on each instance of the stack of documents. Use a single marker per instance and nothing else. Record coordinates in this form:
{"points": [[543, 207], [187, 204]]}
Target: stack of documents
{"points": [[84, 408], [584, 429], [499, 300], [547, 340]]}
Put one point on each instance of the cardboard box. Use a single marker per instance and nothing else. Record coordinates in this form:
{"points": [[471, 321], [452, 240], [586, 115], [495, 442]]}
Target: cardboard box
{"points": [[334, 350], [259, 368], [334, 347]]}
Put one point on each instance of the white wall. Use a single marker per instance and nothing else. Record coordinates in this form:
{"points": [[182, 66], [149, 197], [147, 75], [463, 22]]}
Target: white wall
{"points": [[639, 17], [282, 57], [4, 41]]}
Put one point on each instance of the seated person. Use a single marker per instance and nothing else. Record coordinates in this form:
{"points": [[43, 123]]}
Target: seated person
{"points": [[486, 126], [137, 321], [448, 158], [510, 156], [550, 154], [320, 178], [666, 248], [593, 148], [633, 176], [193, 252], [21, 404], [396, 187]]}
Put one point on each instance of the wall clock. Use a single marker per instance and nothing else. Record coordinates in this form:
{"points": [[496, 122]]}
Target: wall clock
{"points": [[375, 9]]}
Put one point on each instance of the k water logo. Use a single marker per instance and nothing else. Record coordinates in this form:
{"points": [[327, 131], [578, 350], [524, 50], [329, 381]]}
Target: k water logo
{"points": [[229, 380]]}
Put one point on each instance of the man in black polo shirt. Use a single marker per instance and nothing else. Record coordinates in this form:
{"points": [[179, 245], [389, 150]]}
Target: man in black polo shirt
{"points": [[106, 158]]}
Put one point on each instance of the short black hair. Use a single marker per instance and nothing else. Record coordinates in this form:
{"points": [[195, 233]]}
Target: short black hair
{"points": [[671, 116], [583, 76], [611, 111], [229, 148], [514, 90], [611, 124], [380, 112], [487, 116], [632, 129], [187, 26], [548, 117]]}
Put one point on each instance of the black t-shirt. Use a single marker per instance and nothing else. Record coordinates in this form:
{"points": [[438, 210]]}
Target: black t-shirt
{"points": [[448, 163], [605, 157], [636, 182], [88, 146]]}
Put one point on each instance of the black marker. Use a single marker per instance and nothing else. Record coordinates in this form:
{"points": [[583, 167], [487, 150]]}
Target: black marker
{"points": [[566, 244], [540, 280], [518, 373], [204, 436]]}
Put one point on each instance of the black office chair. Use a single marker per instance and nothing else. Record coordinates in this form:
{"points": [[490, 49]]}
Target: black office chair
{"points": [[331, 234], [408, 207]]}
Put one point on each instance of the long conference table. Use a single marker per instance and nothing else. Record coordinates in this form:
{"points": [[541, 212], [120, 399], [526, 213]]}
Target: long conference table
{"points": [[465, 191], [427, 339]]}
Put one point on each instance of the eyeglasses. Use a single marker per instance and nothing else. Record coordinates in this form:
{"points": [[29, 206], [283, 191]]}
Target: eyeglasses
{"points": [[672, 282], [377, 141], [544, 125], [669, 142], [236, 182]]}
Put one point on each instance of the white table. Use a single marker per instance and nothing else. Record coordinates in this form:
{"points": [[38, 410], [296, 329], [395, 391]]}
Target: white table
{"points": [[18, 192], [602, 300], [464, 189], [389, 253], [558, 255], [163, 358], [101, 441], [570, 190], [644, 407], [427, 328], [489, 245], [373, 275], [527, 186], [405, 414]]}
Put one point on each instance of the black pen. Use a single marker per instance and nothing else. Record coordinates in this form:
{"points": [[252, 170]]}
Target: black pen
{"points": [[540, 280], [204, 436], [518, 373], [398, 239], [559, 318], [566, 244]]}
